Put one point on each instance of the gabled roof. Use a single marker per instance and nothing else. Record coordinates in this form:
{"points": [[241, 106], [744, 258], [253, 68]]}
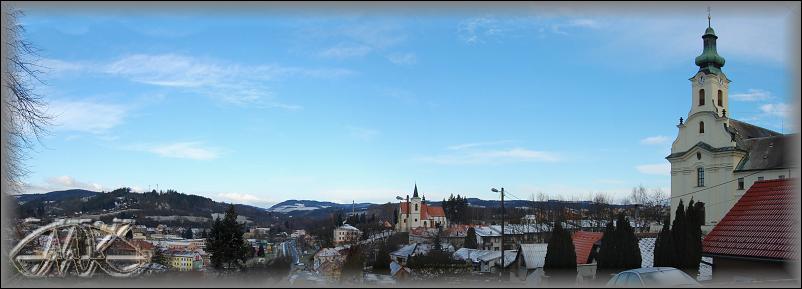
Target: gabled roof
{"points": [[760, 225], [426, 211], [583, 245], [534, 255]]}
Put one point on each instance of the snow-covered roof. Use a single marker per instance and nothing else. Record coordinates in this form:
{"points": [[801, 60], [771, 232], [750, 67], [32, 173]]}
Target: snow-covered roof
{"points": [[477, 255], [405, 251], [486, 231], [347, 227], [534, 255]]}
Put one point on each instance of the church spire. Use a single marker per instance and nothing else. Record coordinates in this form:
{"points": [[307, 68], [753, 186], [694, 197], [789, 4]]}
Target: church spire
{"points": [[415, 193], [709, 61]]}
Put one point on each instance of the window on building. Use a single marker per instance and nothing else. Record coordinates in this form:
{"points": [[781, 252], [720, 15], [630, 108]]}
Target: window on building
{"points": [[740, 183], [782, 177], [701, 97], [701, 127], [720, 98], [700, 177], [759, 178], [416, 207]]}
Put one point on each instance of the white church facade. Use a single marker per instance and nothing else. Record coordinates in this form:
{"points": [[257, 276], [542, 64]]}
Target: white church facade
{"points": [[716, 158], [415, 213]]}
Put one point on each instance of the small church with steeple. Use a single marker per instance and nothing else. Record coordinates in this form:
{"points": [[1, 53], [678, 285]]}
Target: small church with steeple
{"points": [[715, 158], [415, 213]]}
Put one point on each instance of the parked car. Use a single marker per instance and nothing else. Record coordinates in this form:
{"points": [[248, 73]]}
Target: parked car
{"points": [[652, 277]]}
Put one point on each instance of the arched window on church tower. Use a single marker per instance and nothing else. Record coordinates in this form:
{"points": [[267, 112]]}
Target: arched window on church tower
{"points": [[701, 127], [416, 207], [720, 98], [701, 97]]}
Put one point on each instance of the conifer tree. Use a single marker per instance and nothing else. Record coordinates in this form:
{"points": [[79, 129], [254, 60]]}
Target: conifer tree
{"points": [[679, 234], [664, 253], [225, 243], [560, 252], [470, 239], [694, 221], [630, 257], [606, 257]]}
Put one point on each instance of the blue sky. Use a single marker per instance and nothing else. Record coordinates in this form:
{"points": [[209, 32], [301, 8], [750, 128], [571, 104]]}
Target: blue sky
{"points": [[258, 107]]}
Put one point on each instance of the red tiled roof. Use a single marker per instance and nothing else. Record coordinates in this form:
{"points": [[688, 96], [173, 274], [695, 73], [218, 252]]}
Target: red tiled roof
{"points": [[583, 244], [760, 225], [436, 211], [425, 211]]}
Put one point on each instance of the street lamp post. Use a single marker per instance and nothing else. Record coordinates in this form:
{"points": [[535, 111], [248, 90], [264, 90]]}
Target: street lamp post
{"points": [[501, 271]]}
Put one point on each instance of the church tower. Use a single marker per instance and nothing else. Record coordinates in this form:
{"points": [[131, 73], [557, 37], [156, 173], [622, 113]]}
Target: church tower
{"points": [[415, 209], [710, 84], [705, 153]]}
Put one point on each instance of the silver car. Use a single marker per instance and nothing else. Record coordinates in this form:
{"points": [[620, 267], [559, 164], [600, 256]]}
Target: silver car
{"points": [[652, 277]]}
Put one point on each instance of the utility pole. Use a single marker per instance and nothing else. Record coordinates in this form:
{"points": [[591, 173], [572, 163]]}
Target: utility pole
{"points": [[501, 271]]}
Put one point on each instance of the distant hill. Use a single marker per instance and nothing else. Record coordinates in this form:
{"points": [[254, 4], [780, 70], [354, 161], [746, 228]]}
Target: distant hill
{"points": [[56, 195], [124, 203]]}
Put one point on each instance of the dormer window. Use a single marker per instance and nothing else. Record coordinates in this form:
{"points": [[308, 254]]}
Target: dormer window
{"points": [[701, 97]]}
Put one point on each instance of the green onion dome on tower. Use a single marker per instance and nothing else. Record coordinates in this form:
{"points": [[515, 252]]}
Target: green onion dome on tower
{"points": [[709, 61]]}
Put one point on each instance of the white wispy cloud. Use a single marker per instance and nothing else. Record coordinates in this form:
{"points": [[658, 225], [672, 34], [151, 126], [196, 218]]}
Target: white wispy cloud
{"points": [[477, 29], [357, 37], [491, 156], [751, 95], [182, 150], [653, 140], [224, 81], [86, 116], [485, 28], [403, 58], [342, 51], [663, 169], [776, 109], [477, 144], [365, 134]]}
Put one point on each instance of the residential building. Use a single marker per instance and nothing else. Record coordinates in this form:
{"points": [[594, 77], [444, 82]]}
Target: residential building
{"points": [[346, 234], [186, 261]]}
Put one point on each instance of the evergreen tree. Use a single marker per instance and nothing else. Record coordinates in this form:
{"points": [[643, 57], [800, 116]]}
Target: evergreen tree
{"points": [[629, 249], [560, 252], [680, 235], [620, 248], [694, 221], [470, 239], [664, 253], [187, 234], [159, 257], [225, 243], [606, 257]]}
